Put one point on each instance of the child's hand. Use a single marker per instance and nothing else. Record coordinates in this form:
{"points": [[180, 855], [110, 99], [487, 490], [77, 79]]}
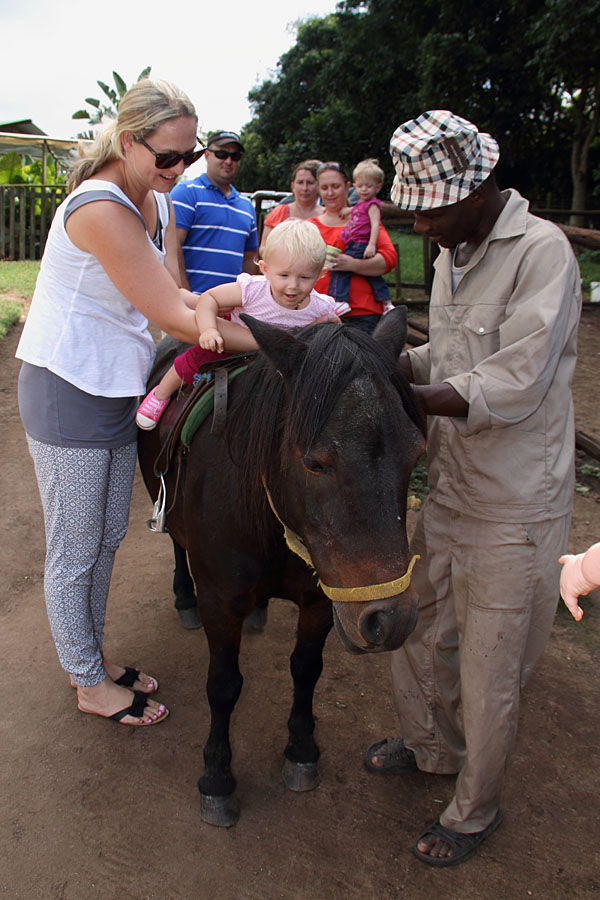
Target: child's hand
{"points": [[326, 318], [370, 250], [573, 584], [211, 339]]}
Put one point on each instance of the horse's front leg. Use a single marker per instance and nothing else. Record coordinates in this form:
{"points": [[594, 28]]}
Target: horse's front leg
{"points": [[300, 772], [218, 803]]}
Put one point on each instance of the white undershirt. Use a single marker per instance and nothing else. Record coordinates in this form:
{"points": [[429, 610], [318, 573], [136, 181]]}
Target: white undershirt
{"points": [[457, 271]]}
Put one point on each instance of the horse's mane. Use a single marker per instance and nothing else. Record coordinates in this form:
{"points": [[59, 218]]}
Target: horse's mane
{"points": [[270, 415]]}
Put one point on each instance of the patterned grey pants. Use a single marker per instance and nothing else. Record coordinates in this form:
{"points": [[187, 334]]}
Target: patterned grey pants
{"points": [[86, 494]]}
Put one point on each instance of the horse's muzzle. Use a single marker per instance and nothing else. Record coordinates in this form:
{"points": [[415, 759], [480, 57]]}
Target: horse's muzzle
{"points": [[377, 625]]}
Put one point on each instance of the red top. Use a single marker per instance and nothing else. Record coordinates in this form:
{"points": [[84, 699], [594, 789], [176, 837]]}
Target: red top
{"points": [[362, 301], [278, 215]]}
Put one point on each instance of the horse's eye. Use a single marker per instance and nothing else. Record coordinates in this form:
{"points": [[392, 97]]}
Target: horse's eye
{"points": [[312, 464]]}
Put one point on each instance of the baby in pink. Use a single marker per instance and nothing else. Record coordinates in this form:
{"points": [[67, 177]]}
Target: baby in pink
{"points": [[283, 295]]}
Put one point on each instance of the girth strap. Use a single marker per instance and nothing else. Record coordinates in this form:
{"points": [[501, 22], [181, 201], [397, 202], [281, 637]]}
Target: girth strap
{"points": [[361, 594], [220, 401]]}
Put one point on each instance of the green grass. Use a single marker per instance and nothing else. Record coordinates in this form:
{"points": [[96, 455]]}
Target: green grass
{"points": [[410, 249], [589, 265], [19, 277], [10, 312]]}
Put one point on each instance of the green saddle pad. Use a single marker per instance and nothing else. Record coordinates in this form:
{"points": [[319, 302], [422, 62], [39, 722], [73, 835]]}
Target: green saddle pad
{"points": [[203, 407]]}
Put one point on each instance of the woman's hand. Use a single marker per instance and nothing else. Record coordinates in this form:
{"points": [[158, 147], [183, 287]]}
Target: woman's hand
{"points": [[343, 263], [211, 339], [373, 266]]}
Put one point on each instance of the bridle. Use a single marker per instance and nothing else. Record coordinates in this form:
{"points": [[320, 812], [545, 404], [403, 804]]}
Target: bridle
{"points": [[360, 594]]}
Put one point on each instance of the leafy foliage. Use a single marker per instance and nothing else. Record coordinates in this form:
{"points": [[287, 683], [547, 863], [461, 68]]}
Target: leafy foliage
{"points": [[525, 70], [102, 110], [22, 169]]}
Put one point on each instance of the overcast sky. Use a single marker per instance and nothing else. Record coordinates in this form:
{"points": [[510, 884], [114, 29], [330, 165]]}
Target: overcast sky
{"points": [[54, 51]]}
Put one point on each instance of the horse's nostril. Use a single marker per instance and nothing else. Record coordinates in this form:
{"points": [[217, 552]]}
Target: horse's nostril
{"points": [[387, 626], [377, 625]]}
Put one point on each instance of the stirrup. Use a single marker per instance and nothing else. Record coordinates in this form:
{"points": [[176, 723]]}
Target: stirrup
{"points": [[158, 521]]}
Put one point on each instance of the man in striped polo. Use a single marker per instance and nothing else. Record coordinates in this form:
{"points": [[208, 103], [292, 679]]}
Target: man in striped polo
{"points": [[216, 226]]}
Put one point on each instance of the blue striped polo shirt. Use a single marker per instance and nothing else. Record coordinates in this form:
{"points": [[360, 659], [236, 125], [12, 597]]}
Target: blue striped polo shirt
{"points": [[219, 229]]}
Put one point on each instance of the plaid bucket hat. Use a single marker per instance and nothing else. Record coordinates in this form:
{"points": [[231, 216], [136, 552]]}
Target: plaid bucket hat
{"points": [[440, 159]]}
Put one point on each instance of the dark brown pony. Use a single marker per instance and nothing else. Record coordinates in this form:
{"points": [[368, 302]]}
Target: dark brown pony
{"points": [[321, 436]]}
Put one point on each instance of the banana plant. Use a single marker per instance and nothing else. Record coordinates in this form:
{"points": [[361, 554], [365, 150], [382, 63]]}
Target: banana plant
{"points": [[101, 109]]}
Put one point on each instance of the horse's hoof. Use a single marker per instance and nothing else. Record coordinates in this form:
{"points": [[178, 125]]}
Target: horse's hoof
{"points": [[300, 776], [190, 618], [221, 811], [257, 619]]}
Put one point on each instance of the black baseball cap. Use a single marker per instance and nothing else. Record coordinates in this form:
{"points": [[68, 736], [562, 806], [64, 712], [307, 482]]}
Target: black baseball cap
{"points": [[219, 138]]}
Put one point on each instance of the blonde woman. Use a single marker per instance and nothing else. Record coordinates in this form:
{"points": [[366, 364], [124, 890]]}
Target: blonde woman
{"points": [[109, 266]]}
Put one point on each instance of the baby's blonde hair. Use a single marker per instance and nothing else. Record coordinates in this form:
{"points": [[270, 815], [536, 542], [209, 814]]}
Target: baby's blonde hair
{"points": [[301, 239], [370, 168]]}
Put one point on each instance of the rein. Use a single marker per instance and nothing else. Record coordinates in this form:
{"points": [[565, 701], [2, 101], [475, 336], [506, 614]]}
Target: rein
{"points": [[360, 594]]}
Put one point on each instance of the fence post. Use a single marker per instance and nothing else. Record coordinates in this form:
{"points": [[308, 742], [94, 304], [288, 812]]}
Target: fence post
{"points": [[2, 222], [397, 273], [11, 223], [22, 222], [43, 227]]}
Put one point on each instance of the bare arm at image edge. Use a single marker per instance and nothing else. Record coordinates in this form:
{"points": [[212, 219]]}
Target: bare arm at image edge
{"points": [[181, 238]]}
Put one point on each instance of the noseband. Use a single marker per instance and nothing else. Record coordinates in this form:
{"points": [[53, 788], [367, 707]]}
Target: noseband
{"points": [[360, 594]]}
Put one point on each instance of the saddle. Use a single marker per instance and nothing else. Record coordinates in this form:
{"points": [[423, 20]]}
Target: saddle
{"points": [[208, 394]]}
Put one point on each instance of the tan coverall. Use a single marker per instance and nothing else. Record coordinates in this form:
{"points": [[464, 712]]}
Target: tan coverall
{"points": [[497, 518]]}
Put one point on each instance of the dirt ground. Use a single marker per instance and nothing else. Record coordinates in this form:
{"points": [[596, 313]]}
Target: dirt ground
{"points": [[91, 809]]}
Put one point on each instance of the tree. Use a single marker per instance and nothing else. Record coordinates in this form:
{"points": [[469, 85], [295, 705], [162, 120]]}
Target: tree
{"points": [[567, 54], [337, 94], [102, 110], [524, 70]]}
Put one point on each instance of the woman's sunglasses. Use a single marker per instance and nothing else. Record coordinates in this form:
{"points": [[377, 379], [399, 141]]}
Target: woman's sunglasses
{"points": [[171, 157], [225, 154]]}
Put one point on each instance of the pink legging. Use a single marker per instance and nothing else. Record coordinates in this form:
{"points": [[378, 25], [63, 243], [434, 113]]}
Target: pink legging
{"points": [[188, 363]]}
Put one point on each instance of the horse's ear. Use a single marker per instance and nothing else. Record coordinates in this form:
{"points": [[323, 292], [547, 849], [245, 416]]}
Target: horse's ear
{"points": [[393, 329], [284, 351]]}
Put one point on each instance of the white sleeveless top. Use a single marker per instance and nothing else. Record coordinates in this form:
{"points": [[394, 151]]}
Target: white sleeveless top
{"points": [[80, 327]]}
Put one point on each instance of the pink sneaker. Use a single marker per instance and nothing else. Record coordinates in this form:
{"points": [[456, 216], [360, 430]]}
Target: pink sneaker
{"points": [[150, 411], [342, 308], [388, 306]]}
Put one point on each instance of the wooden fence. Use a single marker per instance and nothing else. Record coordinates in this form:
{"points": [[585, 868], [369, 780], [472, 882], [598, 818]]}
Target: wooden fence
{"points": [[26, 212]]}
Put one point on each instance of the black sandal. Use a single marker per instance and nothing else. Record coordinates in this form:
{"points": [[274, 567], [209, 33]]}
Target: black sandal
{"points": [[463, 845], [136, 709], [129, 678], [398, 758]]}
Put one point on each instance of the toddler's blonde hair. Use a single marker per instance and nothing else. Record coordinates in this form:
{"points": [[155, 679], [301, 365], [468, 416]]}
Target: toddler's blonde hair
{"points": [[299, 238], [369, 168]]}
